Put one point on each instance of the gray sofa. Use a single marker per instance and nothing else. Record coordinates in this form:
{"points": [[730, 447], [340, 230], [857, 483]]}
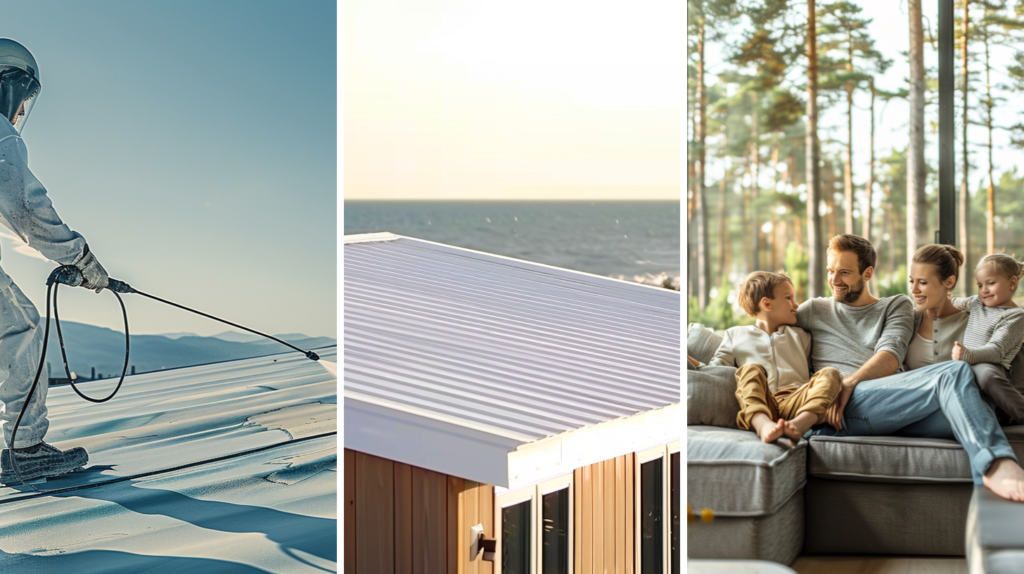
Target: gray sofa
{"points": [[854, 495]]}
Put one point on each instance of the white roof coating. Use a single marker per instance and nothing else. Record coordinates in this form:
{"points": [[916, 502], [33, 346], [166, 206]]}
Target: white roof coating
{"points": [[228, 467], [505, 351]]}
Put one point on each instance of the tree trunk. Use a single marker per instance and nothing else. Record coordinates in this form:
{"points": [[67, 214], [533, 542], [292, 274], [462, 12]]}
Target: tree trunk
{"points": [[816, 249], [889, 226], [917, 227], [755, 162], [848, 168], [990, 208], [703, 262], [964, 199], [722, 240], [871, 167]]}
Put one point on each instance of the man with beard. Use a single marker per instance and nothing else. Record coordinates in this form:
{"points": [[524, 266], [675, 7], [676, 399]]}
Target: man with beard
{"points": [[866, 339]]}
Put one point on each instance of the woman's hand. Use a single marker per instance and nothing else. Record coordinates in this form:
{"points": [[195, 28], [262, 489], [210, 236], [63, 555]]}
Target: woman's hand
{"points": [[958, 351], [693, 361]]}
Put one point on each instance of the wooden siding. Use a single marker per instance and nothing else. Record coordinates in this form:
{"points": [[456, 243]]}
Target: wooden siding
{"points": [[604, 529], [476, 504], [402, 519]]}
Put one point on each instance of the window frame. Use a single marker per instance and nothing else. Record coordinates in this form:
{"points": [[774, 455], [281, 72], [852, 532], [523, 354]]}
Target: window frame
{"points": [[673, 448], [533, 493], [641, 457]]}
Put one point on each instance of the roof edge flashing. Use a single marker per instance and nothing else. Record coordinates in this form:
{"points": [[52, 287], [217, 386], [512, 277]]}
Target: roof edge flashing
{"points": [[371, 237], [563, 453]]}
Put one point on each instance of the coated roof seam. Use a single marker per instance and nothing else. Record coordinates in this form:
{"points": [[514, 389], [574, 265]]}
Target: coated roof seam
{"points": [[385, 278], [522, 392], [638, 347], [523, 423], [464, 342], [638, 294], [503, 371], [648, 327]]}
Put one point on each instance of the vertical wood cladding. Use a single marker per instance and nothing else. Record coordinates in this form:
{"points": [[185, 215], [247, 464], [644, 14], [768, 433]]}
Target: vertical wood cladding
{"points": [[604, 499], [402, 519]]}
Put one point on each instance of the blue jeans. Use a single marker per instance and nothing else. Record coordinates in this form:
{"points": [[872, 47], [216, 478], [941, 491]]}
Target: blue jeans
{"points": [[938, 401]]}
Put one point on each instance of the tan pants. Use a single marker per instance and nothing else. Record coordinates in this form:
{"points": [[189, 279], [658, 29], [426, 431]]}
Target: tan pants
{"points": [[754, 396]]}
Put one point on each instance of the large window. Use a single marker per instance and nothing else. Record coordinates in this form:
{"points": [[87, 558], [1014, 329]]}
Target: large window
{"points": [[536, 528], [749, 128], [657, 504]]}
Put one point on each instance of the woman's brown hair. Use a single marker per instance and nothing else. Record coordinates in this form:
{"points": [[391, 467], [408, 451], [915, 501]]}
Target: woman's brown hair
{"points": [[946, 259]]}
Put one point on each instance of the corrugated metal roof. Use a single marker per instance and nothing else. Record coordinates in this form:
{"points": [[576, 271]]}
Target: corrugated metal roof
{"points": [[513, 348]]}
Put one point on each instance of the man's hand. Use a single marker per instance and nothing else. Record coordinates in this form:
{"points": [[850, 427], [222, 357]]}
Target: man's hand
{"points": [[834, 414], [958, 351], [94, 276], [693, 361]]}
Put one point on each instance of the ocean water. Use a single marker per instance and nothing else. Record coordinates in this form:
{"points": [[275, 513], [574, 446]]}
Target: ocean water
{"points": [[632, 240]]}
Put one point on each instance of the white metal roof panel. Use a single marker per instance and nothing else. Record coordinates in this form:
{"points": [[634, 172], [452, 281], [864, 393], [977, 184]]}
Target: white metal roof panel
{"points": [[522, 350]]}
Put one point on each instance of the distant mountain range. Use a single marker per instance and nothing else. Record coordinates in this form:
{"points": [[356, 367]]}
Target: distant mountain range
{"points": [[91, 347]]}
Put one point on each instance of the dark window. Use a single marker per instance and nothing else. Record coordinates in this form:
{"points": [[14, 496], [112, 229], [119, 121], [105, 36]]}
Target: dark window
{"points": [[652, 541], [515, 538], [674, 525], [555, 534]]}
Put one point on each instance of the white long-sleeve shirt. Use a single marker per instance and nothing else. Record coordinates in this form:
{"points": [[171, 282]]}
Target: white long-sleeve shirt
{"points": [[25, 208], [784, 354]]}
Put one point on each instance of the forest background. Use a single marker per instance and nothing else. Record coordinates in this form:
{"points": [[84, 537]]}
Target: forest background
{"points": [[853, 85]]}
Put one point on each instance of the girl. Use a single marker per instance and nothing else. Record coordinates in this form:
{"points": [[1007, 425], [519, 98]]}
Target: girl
{"points": [[995, 332]]}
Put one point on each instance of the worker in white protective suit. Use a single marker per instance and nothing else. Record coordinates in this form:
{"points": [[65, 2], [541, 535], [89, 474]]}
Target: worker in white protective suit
{"points": [[26, 210]]}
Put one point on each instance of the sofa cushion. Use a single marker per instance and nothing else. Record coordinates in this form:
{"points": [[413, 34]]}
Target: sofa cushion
{"points": [[701, 342], [778, 537], [995, 539], [711, 397], [1017, 371], [896, 459], [735, 474], [844, 517]]}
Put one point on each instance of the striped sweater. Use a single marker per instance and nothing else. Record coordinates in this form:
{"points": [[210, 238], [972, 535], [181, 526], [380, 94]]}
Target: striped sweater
{"points": [[993, 335]]}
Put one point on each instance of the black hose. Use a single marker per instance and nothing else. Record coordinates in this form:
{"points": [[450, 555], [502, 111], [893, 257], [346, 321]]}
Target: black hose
{"points": [[71, 275]]}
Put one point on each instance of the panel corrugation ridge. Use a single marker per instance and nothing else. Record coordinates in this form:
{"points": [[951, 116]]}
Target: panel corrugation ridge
{"points": [[519, 346]]}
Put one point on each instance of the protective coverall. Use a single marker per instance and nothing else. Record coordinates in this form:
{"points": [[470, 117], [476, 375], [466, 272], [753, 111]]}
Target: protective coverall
{"points": [[26, 210]]}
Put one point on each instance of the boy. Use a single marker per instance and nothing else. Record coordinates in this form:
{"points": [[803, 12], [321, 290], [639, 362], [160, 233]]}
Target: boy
{"points": [[777, 395]]}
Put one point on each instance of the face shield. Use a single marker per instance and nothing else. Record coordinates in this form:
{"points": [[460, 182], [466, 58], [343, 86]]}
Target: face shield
{"points": [[18, 91]]}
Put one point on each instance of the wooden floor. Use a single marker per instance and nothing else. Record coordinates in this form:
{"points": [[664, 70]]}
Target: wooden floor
{"points": [[878, 565]]}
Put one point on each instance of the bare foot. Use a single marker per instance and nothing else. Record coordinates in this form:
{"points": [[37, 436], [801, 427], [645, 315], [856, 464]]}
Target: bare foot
{"points": [[1005, 478], [792, 432], [771, 431]]}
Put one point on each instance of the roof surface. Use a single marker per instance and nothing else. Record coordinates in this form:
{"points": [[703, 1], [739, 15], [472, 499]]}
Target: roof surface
{"points": [[229, 467], [501, 347]]}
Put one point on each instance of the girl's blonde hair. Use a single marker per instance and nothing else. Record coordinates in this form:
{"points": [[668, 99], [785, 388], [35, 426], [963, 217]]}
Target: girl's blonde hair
{"points": [[1005, 265]]}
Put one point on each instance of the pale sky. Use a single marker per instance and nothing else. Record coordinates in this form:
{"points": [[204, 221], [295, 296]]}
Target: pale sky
{"points": [[193, 144], [460, 99]]}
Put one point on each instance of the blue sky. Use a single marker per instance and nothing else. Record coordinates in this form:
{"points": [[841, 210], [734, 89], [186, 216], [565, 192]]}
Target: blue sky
{"points": [[194, 145]]}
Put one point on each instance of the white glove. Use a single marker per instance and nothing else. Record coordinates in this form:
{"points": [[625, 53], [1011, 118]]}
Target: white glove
{"points": [[94, 276]]}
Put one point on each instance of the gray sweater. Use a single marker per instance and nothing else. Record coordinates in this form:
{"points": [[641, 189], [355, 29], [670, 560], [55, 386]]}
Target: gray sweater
{"points": [[846, 337]]}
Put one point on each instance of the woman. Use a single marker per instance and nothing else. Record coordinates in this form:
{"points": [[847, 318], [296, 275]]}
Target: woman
{"points": [[937, 323]]}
